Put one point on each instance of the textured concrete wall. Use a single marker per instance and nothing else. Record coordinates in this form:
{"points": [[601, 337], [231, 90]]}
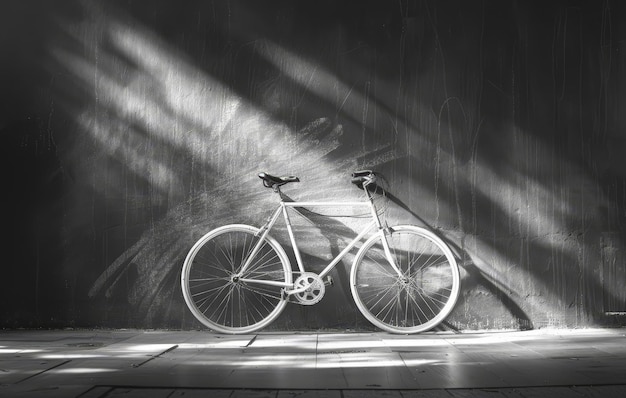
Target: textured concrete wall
{"points": [[134, 126]]}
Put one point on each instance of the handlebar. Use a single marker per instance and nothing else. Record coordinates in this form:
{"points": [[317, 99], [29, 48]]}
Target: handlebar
{"points": [[363, 178]]}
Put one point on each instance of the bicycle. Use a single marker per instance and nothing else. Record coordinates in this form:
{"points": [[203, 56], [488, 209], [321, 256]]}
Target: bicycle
{"points": [[238, 279]]}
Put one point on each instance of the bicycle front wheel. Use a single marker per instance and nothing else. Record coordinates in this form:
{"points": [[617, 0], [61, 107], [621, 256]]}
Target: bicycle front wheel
{"points": [[223, 298], [417, 298]]}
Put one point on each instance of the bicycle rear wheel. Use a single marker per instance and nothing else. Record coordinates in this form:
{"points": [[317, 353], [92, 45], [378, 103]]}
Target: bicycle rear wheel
{"points": [[222, 298], [418, 299]]}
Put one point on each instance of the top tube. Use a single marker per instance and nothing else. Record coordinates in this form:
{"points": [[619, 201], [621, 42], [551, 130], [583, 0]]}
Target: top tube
{"points": [[327, 204]]}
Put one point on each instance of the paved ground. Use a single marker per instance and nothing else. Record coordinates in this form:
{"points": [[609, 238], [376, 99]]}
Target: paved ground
{"points": [[135, 363]]}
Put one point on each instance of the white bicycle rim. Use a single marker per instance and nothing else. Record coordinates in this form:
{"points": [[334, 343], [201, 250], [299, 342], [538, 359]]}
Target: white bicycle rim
{"points": [[384, 298], [189, 295]]}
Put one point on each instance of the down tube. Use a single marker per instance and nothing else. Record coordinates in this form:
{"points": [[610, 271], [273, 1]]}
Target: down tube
{"points": [[345, 251], [327, 204]]}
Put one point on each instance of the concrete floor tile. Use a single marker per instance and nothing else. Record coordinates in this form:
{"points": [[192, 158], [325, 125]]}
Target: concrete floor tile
{"points": [[254, 394], [425, 394], [128, 392], [601, 391], [62, 391], [200, 393], [309, 394], [477, 393], [551, 392], [372, 394]]}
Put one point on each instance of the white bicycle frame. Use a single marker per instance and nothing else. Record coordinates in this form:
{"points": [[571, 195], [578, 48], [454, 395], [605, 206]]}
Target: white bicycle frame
{"points": [[282, 209]]}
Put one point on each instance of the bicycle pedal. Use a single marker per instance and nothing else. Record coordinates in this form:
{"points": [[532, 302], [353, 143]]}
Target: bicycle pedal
{"points": [[328, 281]]}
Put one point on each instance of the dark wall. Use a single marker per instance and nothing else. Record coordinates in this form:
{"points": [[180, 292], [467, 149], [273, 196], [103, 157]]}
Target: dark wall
{"points": [[129, 128]]}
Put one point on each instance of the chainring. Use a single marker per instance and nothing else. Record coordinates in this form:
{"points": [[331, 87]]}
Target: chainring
{"points": [[315, 288]]}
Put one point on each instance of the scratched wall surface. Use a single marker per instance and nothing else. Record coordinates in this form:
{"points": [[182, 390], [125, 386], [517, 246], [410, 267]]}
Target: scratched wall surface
{"points": [[133, 127]]}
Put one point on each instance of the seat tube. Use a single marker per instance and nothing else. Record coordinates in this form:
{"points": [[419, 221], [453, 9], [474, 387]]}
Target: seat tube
{"points": [[296, 251]]}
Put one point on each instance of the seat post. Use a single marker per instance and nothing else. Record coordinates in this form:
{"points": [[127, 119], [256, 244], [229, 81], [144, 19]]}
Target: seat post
{"points": [[276, 188]]}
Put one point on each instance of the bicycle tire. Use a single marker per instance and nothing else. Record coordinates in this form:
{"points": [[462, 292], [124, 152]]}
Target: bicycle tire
{"points": [[420, 299], [226, 304]]}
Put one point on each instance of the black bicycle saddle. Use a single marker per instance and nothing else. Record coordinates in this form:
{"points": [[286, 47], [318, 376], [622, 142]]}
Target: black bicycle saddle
{"points": [[269, 181]]}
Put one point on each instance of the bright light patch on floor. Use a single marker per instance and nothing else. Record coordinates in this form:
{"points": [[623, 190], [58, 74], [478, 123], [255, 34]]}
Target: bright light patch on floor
{"points": [[72, 356], [346, 345], [295, 342], [364, 360], [336, 360], [415, 342], [82, 370], [216, 344], [4, 350], [149, 347]]}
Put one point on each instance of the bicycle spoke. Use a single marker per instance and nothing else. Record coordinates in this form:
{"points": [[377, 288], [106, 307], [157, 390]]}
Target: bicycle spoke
{"points": [[388, 308], [219, 307], [380, 271], [260, 292], [418, 307], [263, 262]]}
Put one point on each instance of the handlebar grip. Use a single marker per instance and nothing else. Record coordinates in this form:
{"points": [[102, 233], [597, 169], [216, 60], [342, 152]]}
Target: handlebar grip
{"points": [[362, 173], [358, 180]]}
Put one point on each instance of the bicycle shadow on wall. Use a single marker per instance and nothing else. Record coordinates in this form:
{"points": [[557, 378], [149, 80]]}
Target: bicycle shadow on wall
{"points": [[475, 276]]}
